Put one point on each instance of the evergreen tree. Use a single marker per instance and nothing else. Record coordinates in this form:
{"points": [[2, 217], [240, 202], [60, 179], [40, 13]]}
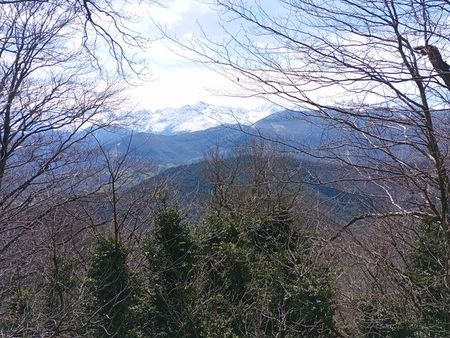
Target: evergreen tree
{"points": [[426, 272], [18, 317], [168, 250], [225, 278], [112, 288], [260, 281], [59, 286], [377, 320], [297, 293]]}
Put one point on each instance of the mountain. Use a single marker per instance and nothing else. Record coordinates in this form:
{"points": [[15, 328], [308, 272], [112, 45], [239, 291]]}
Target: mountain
{"points": [[292, 128], [284, 127], [197, 117], [191, 184], [179, 156], [172, 150]]}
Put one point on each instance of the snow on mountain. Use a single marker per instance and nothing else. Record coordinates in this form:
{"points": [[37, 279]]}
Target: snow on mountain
{"points": [[197, 117]]}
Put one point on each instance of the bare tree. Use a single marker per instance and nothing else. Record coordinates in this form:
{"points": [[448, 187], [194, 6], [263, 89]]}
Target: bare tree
{"points": [[103, 25], [128, 205], [258, 180], [48, 105], [384, 95], [375, 71], [52, 97], [56, 90]]}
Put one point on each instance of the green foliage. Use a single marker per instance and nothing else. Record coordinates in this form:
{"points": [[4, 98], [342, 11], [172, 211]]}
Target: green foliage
{"points": [[308, 302], [60, 281], [426, 280], [226, 274], [377, 321], [299, 292], [19, 315], [428, 271], [59, 285], [260, 281], [112, 288], [273, 233], [226, 254], [168, 250], [41, 309]]}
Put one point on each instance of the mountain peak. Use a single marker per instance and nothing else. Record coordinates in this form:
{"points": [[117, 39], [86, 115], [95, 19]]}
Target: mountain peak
{"points": [[196, 117]]}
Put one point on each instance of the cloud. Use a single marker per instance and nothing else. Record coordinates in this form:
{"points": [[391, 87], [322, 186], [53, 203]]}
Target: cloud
{"points": [[176, 80], [177, 11], [180, 85]]}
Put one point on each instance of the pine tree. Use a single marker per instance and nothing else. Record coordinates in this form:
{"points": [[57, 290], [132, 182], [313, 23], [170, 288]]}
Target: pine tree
{"points": [[378, 320], [112, 288], [58, 288], [428, 272], [18, 317], [297, 292], [261, 281], [425, 275], [225, 278], [169, 253]]}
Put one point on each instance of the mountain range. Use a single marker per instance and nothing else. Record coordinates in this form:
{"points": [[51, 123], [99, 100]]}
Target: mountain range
{"points": [[197, 117], [176, 147], [171, 137]]}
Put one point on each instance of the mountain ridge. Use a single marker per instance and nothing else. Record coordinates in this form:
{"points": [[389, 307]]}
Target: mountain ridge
{"points": [[197, 117], [187, 147]]}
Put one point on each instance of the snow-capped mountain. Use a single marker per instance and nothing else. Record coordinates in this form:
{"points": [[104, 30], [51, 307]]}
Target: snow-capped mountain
{"points": [[201, 116]]}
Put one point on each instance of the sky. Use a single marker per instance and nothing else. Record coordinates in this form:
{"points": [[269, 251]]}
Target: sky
{"points": [[175, 80]]}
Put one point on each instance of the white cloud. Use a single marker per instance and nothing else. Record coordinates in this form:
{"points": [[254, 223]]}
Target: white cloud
{"points": [[185, 84], [176, 80], [176, 11]]}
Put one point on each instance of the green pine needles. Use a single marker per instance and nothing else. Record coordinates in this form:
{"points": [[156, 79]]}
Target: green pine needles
{"points": [[112, 287]]}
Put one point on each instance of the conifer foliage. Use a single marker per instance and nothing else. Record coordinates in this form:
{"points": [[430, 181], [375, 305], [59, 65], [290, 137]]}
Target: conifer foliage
{"points": [[112, 288], [423, 312], [261, 282], [168, 250]]}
